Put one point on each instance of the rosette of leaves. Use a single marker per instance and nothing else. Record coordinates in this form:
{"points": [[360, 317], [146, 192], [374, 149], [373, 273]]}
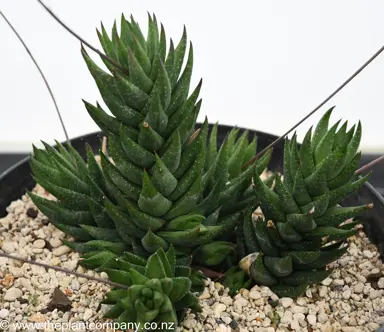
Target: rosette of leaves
{"points": [[304, 228], [158, 291], [162, 182]]}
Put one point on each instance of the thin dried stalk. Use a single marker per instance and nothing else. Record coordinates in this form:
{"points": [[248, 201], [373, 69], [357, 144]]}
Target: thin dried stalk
{"points": [[370, 164], [42, 75], [83, 41], [334, 93], [59, 269], [104, 145]]}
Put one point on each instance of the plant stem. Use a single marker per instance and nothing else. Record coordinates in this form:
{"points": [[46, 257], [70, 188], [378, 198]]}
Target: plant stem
{"points": [[334, 93], [83, 41], [42, 75], [370, 164], [59, 269], [208, 272]]}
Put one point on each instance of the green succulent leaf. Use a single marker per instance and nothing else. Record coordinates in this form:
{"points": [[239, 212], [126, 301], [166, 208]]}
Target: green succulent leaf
{"points": [[324, 148], [134, 259], [185, 222], [123, 222], [181, 286], [192, 149], [149, 138], [190, 176], [303, 257], [155, 268], [270, 199], [105, 234], [189, 300], [265, 243], [287, 233], [300, 191], [182, 271], [151, 242], [136, 153], [115, 311], [353, 145], [108, 124], [306, 155], [278, 266], [129, 170], [336, 195], [318, 206], [214, 253], [180, 90], [115, 247], [321, 128], [169, 266], [288, 202], [336, 215], [289, 291], [115, 295], [150, 200], [185, 203], [301, 223], [128, 188], [325, 258], [133, 96], [59, 214], [211, 148], [162, 178], [179, 57], [260, 274], [77, 233], [299, 278], [249, 233], [97, 259], [181, 238], [144, 220]]}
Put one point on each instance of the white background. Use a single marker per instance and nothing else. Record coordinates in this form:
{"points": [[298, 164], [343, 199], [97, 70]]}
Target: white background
{"points": [[265, 64]]}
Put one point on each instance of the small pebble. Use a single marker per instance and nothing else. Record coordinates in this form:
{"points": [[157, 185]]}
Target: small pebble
{"points": [[347, 294], [254, 295], [358, 288], [32, 213], [55, 242], [322, 318], [62, 250], [9, 247], [87, 314], [75, 285], [12, 294], [218, 308], [380, 283], [311, 319], [327, 281], [286, 302], [4, 313], [39, 244]]}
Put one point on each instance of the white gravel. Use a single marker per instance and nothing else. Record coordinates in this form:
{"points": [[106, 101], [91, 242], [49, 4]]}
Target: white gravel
{"points": [[26, 290], [351, 299]]}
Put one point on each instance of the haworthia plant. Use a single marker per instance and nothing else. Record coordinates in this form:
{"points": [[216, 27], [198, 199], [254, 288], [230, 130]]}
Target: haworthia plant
{"points": [[161, 183], [304, 227], [159, 291]]}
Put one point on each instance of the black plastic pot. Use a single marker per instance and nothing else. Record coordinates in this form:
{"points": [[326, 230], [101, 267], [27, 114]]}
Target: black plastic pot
{"points": [[16, 179]]}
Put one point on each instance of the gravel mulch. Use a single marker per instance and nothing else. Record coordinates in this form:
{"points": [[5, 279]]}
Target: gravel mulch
{"points": [[352, 299]]}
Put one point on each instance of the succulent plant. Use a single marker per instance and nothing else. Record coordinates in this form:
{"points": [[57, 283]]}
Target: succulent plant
{"points": [[158, 291], [304, 227], [162, 182]]}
